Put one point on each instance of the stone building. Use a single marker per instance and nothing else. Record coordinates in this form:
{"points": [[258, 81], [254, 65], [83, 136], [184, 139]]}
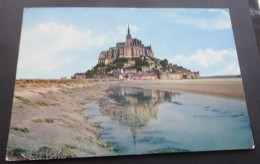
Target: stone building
{"points": [[144, 76], [130, 63], [179, 75], [145, 68], [79, 76], [130, 49]]}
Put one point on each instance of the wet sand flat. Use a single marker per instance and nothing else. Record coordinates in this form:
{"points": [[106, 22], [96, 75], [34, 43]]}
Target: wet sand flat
{"points": [[230, 87]]}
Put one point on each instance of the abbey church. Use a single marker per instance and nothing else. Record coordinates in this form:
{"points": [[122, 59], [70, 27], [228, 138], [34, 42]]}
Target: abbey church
{"points": [[130, 49]]}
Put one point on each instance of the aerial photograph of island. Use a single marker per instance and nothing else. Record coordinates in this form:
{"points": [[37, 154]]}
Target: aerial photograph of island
{"points": [[95, 82]]}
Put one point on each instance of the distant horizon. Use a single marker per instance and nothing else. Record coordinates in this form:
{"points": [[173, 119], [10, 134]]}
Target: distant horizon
{"points": [[209, 77], [59, 42]]}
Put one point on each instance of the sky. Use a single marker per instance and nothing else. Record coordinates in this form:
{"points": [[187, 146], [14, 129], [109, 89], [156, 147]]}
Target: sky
{"points": [[58, 42]]}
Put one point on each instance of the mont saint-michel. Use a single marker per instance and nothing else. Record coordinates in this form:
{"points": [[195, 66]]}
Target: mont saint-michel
{"points": [[133, 60], [89, 84], [132, 48]]}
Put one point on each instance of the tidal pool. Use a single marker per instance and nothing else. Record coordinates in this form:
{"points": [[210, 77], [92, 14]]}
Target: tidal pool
{"points": [[145, 121]]}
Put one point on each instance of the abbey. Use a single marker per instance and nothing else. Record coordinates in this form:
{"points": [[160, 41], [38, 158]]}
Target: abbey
{"points": [[132, 48]]}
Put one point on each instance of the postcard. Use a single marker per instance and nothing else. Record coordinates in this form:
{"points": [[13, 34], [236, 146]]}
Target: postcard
{"points": [[95, 82]]}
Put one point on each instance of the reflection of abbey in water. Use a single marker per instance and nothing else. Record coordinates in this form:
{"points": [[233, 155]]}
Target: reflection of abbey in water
{"points": [[139, 105], [136, 106]]}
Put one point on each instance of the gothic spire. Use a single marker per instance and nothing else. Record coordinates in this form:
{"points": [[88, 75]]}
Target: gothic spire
{"points": [[128, 30], [128, 33]]}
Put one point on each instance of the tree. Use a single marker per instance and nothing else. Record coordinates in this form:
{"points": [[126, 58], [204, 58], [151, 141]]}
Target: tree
{"points": [[122, 60], [139, 63], [119, 65], [164, 63], [109, 67]]}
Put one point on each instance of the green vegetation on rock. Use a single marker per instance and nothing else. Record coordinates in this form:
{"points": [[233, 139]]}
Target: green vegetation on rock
{"points": [[139, 63], [167, 150], [13, 151], [110, 143], [120, 149], [145, 139]]}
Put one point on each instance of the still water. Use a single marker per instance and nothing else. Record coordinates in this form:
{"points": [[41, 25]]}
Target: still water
{"points": [[152, 121]]}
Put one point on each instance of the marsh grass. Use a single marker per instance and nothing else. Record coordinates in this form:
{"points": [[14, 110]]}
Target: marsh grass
{"points": [[48, 120], [41, 103], [70, 146], [25, 101], [37, 120], [35, 103], [25, 130], [41, 153], [67, 150], [65, 91], [46, 83]]}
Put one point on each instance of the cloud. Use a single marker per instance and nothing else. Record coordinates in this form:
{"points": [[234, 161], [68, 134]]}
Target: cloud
{"points": [[48, 47], [206, 57], [218, 21], [221, 62], [230, 69]]}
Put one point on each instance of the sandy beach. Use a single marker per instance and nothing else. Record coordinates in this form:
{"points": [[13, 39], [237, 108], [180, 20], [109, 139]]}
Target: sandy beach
{"points": [[51, 115]]}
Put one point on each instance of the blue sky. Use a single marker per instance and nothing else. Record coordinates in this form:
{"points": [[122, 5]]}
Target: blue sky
{"points": [[58, 42]]}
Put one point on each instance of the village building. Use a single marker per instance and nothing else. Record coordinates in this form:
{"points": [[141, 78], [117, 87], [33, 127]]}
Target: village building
{"points": [[179, 75], [144, 76], [191, 75], [145, 68], [130, 63], [130, 70], [170, 76], [79, 76], [131, 48], [119, 73]]}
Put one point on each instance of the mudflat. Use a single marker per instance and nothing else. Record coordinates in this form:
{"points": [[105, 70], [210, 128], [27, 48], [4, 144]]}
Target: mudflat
{"points": [[49, 116]]}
